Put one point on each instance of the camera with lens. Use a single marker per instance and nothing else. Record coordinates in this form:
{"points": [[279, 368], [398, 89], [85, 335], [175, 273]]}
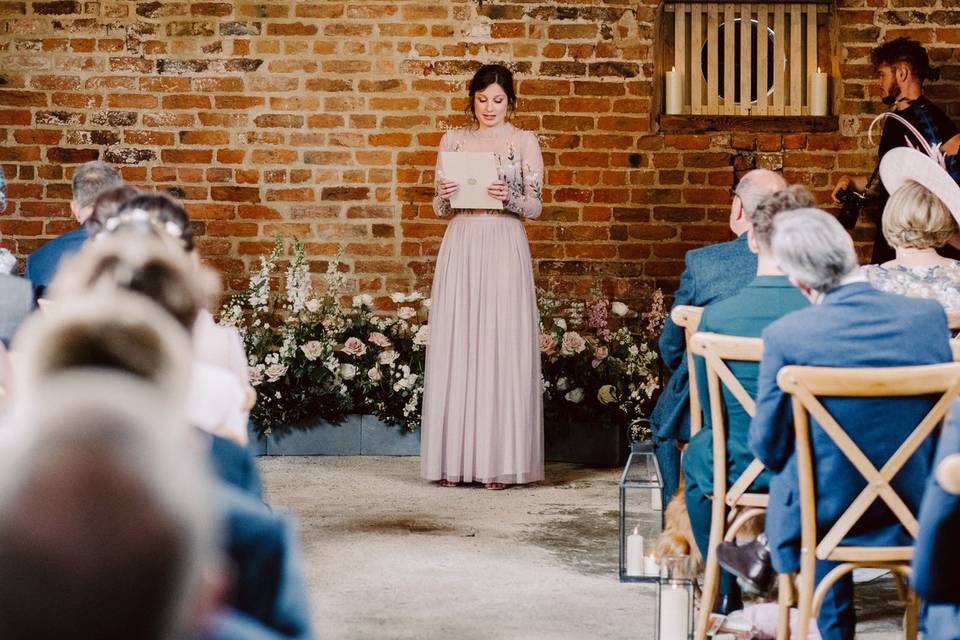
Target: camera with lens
{"points": [[851, 205]]}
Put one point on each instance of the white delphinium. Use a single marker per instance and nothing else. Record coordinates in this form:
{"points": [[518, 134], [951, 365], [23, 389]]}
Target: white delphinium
{"points": [[298, 281]]}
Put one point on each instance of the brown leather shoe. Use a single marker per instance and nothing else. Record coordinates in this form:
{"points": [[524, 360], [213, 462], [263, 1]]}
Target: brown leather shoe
{"points": [[750, 562]]}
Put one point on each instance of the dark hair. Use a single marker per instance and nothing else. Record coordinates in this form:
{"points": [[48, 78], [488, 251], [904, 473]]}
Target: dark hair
{"points": [[164, 212], [908, 51], [90, 179], [107, 205], [487, 75]]}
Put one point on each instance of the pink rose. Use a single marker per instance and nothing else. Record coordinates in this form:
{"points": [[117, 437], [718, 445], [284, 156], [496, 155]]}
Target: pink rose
{"points": [[547, 343], [423, 335], [388, 357], [354, 347], [572, 343], [374, 374], [405, 313]]}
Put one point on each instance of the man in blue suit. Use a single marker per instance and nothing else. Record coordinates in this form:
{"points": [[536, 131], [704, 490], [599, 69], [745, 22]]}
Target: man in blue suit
{"points": [[89, 180], [936, 561], [770, 296], [710, 273], [850, 324]]}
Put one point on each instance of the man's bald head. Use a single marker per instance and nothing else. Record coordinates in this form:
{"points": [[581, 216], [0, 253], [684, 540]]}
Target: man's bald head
{"points": [[753, 187]]}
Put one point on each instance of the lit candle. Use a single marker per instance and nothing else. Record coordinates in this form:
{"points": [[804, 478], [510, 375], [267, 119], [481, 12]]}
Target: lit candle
{"points": [[635, 553], [674, 612], [674, 92], [650, 566], [818, 94]]}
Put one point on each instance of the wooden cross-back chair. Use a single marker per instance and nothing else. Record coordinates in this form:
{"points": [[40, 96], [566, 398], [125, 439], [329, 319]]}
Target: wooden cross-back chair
{"points": [[733, 506], [806, 385], [688, 317], [953, 319]]}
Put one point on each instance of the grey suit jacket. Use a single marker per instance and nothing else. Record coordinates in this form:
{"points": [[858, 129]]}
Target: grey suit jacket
{"points": [[710, 274], [16, 303]]}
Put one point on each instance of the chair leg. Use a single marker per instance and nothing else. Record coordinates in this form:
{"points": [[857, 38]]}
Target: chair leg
{"points": [[785, 600], [805, 590], [911, 615], [708, 597]]}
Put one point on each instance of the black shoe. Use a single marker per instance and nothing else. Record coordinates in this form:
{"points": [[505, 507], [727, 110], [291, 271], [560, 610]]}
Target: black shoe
{"points": [[750, 562], [727, 603]]}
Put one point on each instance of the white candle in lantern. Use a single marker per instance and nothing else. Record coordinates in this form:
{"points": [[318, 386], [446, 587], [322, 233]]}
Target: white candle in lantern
{"points": [[650, 566], [674, 612], [674, 92], [635, 553], [818, 94]]}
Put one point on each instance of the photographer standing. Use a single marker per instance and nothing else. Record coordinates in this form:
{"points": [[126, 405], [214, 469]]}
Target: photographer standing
{"points": [[902, 66]]}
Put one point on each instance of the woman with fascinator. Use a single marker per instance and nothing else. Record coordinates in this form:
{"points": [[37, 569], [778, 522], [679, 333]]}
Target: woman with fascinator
{"points": [[919, 218]]}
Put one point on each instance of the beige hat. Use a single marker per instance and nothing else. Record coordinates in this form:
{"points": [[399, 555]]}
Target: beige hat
{"points": [[903, 163]]}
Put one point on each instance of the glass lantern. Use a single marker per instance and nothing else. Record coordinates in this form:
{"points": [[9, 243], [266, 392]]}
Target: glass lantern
{"points": [[675, 599], [641, 514]]}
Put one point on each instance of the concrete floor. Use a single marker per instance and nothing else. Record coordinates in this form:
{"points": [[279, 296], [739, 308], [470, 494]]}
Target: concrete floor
{"points": [[389, 556]]}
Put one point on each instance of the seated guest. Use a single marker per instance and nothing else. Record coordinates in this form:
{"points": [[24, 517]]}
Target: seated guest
{"points": [[79, 464], [850, 324], [122, 332], [936, 564], [710, 274], [916, 222], [149, 265], [214, 344], [89, 180], [769, 297]]}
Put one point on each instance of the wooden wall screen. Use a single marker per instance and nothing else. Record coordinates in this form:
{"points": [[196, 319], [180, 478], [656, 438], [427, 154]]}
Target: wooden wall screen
{"points": [[795, 34]]}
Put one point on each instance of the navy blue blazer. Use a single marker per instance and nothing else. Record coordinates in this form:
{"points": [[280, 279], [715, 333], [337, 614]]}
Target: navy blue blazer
{"points": [[936, 558], [710, 274], [854, 326], [42, 264]]}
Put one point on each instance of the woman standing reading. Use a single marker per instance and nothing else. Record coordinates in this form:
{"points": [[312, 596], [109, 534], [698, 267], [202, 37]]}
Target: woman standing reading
{"points": [[482, 402]]}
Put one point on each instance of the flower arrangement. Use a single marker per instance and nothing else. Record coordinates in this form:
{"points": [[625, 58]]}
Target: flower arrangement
{"points": [[319, 353], [599, 361]]}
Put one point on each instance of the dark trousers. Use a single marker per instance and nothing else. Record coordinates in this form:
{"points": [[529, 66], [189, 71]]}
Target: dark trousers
{"points": [[698, 508], [668, 457], [837, 619]]}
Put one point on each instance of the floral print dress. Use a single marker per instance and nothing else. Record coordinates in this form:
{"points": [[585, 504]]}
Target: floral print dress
{"points": [[940, 283]]}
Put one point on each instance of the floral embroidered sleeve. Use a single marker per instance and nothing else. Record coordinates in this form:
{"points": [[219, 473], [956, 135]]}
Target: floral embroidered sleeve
{"points": [[440, 206], [526, 189]]}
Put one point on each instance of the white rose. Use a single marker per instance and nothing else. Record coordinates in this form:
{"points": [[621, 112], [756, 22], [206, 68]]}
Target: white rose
{"points": [[562, 384], [312, 350], [426, 303], [607, 394], [367, 299], [405, 313], [560, 322], [313, 305], [572, 343], [413, 297], [423, 335], [398, 298], [388, 357], [348, 371], [275, 372], [379, 339], [619, 309], [374, 374], [575, 395]]}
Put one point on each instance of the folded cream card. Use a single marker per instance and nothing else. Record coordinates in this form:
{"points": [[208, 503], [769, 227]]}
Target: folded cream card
{"points": [[474, 171]]}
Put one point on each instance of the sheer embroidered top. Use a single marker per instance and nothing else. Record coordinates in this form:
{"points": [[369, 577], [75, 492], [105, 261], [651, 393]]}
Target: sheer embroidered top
{"points": [[940, 283], [519, 163]]}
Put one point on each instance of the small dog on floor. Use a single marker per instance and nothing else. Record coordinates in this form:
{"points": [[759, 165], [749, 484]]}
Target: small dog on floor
{"points": [[677, 536]]}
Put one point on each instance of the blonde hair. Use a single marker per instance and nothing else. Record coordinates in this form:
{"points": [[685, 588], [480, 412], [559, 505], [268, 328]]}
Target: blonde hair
{"points": [[914, 217]]}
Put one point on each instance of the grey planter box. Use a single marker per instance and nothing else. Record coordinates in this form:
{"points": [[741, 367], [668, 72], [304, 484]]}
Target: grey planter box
{"points": [[358, 435], [593, 444]]}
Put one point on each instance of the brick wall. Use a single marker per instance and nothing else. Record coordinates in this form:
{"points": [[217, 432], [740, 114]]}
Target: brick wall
{"points": [[320, 120]]}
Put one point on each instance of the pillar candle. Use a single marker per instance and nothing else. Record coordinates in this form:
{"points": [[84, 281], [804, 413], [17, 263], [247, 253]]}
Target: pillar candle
{"points": [[650, 566], [818, 94], [674, 92], [635, 553], [674, 612]]}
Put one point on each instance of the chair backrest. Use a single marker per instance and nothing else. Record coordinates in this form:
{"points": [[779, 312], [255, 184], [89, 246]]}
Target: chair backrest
{"points": [[688, 317], [953, 319], [717, 350], [807, 385]]}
